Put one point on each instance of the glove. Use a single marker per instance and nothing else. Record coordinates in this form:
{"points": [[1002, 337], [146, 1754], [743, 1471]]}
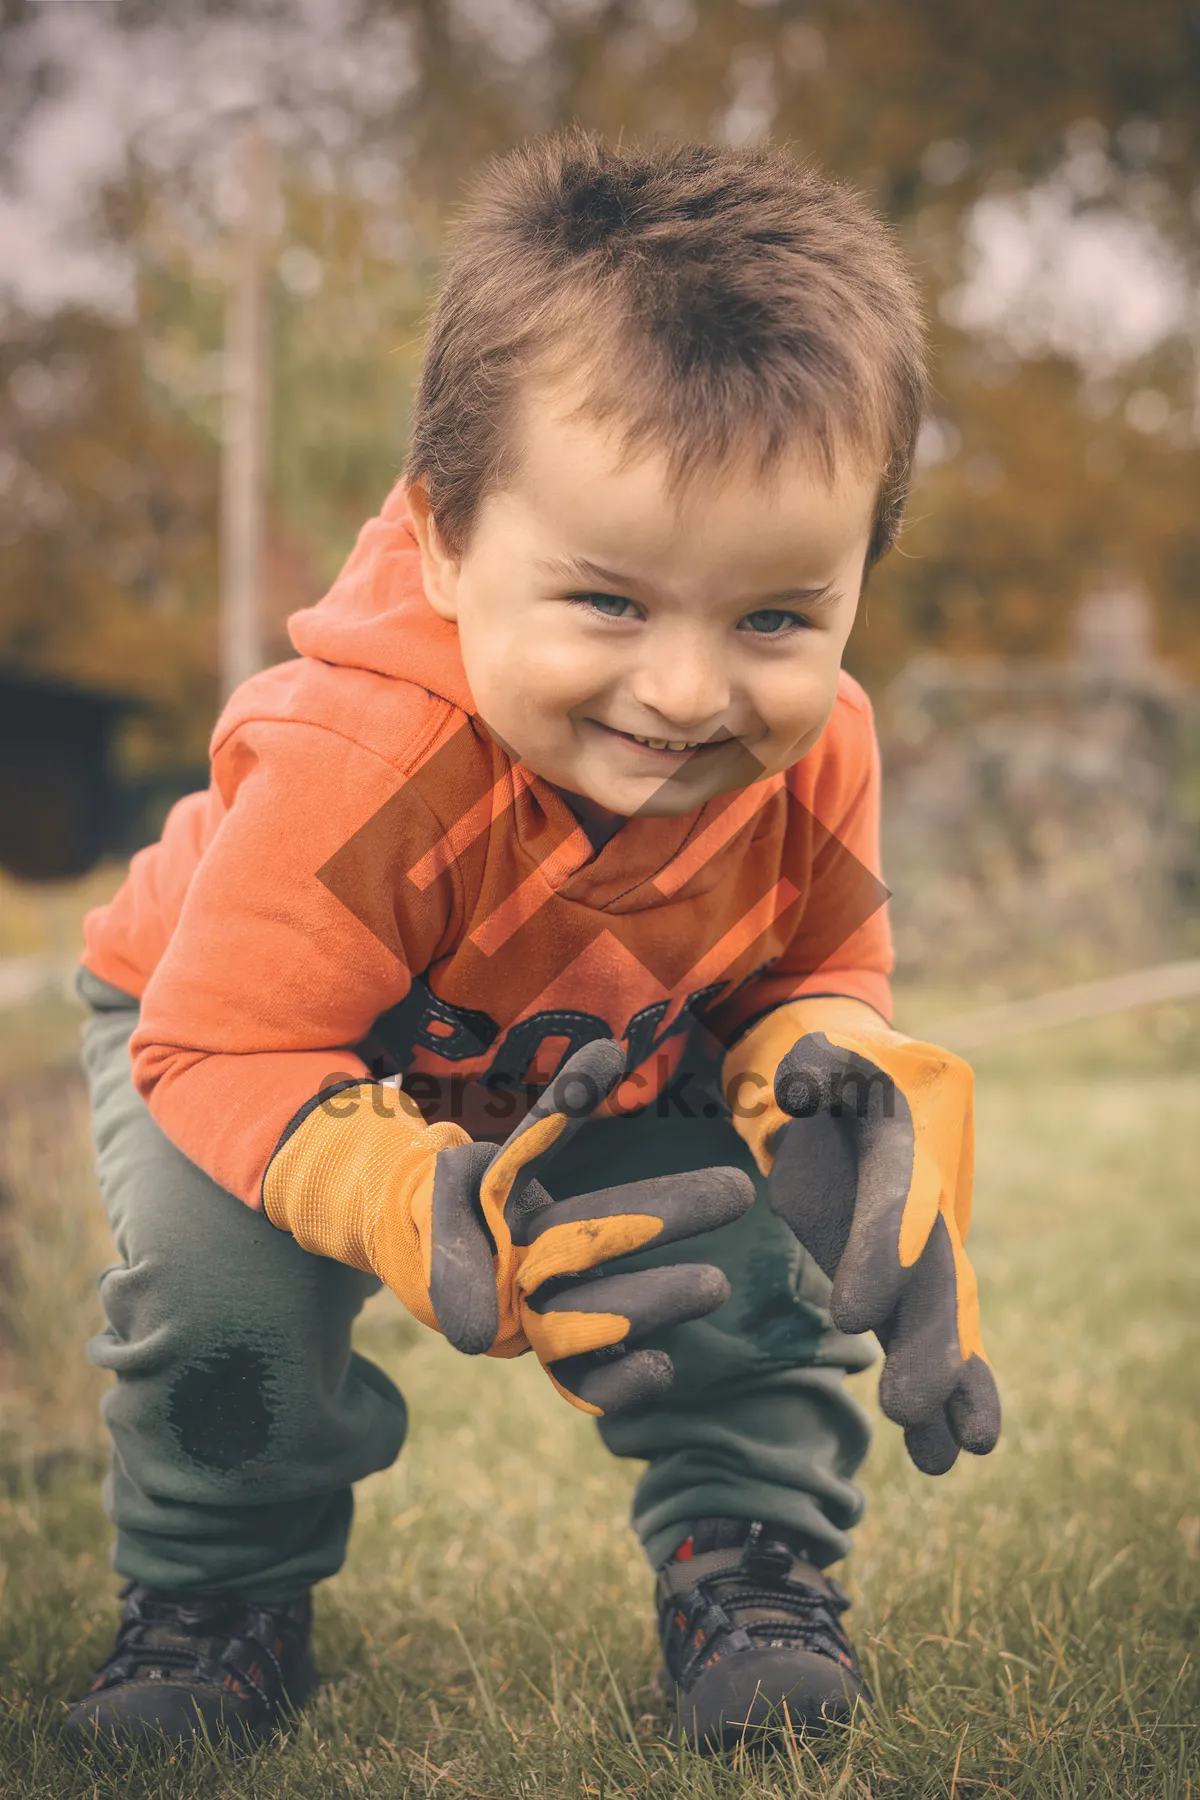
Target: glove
{"points": [[474, 1246], [868, 1146]]}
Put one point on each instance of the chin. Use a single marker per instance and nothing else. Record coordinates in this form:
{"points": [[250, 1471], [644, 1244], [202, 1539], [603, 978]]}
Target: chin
{"points": [[666, 800]]}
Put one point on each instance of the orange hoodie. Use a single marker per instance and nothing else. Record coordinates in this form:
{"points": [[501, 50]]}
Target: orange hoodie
{"points": [[370, 883]]}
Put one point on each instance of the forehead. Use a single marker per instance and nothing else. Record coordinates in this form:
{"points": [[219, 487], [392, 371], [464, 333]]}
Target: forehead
{"points": [[576, 490]]}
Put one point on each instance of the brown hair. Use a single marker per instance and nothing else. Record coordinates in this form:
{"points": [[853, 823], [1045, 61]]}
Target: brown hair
{"points": [[718, 301]]}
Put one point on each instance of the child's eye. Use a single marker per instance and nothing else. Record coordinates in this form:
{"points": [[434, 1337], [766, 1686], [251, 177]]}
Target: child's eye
{"points": [[769, 621], [612, 606]]}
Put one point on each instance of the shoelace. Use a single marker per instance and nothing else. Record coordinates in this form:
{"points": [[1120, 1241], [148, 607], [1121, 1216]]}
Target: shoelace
{"points": [[714, 1593], [215, 1641]]}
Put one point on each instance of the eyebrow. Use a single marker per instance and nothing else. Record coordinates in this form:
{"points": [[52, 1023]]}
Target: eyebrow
{"points": [[581, 569]]}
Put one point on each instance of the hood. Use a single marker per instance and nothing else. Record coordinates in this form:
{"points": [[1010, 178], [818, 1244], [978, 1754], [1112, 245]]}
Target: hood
{"points": [[376, 616]]}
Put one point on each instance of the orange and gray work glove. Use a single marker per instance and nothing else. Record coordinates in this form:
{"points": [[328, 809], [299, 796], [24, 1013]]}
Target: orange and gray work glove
{"points": [[474, 1246], [867, 1141]]}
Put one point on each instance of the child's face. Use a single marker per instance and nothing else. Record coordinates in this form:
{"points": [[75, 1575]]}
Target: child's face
{"points": [[608, 628]]}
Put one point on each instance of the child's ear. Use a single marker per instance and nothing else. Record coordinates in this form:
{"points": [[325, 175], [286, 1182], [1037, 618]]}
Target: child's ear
{"points": [[439, 569]]}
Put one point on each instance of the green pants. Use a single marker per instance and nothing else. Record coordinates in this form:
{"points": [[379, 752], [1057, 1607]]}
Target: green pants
{"points": [[240, 1417]]}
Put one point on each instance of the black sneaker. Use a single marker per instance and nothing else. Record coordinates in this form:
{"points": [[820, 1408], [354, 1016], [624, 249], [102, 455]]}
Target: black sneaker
{"points": [[751, 1637], [187, 1667]]}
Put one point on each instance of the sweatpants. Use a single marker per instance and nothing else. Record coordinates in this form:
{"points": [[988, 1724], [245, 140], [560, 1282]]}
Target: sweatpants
{"points": [[240, 1417]]}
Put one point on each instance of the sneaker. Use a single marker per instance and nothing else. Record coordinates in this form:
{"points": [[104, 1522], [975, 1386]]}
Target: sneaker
{"points": [[751, 1637], [188, 1667]]}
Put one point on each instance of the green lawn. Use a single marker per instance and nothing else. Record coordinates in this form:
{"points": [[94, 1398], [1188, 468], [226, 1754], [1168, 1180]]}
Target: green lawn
{"points": [[1029, 1622]]}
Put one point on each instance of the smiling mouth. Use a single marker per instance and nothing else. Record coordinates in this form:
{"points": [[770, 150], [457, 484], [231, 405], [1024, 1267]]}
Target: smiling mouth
{"points": [[676, 746]]}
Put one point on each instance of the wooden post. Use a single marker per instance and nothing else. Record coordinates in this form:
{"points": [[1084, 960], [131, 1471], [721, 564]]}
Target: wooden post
{"points": [[244, 424]]}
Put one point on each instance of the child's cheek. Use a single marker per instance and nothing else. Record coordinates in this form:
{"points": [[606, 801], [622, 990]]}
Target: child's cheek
{"points": [[557, 677], [797, 707]]}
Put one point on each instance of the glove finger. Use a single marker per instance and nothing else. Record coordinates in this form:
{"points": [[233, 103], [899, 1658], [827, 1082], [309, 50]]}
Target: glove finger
{"points": [[923, 1362], [973, 1409], [609, 1381], [871, 1276], [810, 1078], [584, 1080], [931, 1446], [592, 1315], [817, 1076], [462, 1273], [813, 1183], [684, 1205], [669, 1207], [825, 1086]]}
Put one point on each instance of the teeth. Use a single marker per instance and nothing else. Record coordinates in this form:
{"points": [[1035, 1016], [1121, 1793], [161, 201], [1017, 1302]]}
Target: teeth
{"points": [[662, 743]]}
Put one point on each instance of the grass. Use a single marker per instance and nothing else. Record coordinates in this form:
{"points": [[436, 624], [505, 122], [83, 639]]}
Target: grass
{"points": [[1029, 1622]]}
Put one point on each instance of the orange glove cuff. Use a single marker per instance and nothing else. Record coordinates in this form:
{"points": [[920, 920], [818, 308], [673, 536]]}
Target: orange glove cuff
{"points": [[354, 1182]]}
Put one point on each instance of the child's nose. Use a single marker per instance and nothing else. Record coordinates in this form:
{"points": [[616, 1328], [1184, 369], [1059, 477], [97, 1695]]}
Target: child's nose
{"points": [[683, 681]]}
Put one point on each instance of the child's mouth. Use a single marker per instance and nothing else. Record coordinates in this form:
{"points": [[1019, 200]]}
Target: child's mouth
{"points": [[657, 746]]}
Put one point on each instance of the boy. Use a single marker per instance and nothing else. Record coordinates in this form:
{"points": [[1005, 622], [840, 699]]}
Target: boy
{"points": [[566, 814]]}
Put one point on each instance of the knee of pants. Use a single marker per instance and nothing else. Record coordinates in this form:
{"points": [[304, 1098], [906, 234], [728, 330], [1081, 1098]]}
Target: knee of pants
{"points": [[235, 1373], [231, 1344]]}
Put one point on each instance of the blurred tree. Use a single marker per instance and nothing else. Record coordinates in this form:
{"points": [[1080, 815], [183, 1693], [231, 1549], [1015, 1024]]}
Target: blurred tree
{"points": [[1058, 450], [107, 530]]}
